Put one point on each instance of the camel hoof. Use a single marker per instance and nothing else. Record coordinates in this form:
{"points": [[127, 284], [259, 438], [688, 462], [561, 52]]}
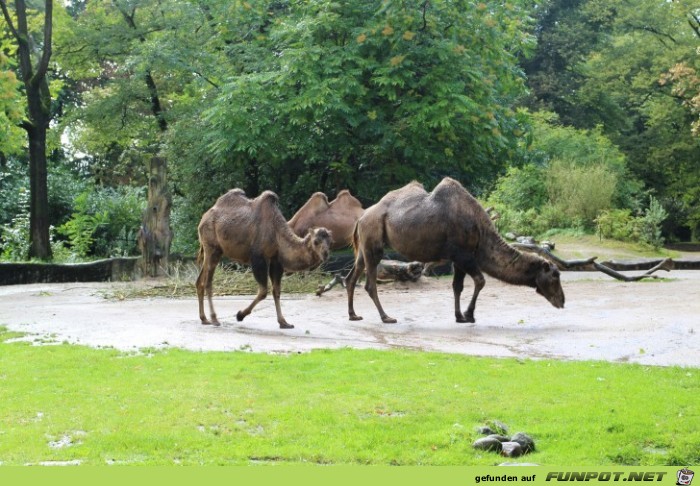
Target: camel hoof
{"points": [[461, 319], [389, 320], [355, 318], [240, 316], [469, 319], [285, 325]]}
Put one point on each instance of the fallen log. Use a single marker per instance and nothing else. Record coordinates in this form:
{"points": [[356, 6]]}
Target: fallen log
{"points": [[666, 264], [386, 270]]}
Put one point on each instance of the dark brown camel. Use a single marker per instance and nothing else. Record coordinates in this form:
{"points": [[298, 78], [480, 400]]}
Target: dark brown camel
{"points": [[254, 232], [447, 224]]}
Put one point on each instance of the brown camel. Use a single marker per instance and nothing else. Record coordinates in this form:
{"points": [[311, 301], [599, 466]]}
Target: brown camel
{"points": [[338, 216], [447, 224], [254, 232]]}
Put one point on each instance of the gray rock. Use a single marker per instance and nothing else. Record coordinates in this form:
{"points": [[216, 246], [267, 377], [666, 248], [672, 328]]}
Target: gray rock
{"points": [[511, 449], [488, 444], [485, 430], [525, 441]]}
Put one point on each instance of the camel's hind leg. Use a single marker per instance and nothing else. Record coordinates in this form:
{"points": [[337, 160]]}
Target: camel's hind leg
{"points": [[372, 259], [210, 260], [260, 269], [276, 272], [351, 282]]}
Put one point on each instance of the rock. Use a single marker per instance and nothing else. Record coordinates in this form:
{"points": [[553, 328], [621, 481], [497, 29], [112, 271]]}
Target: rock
{"points": [[526, 240], [485, 430], [511, 449], [488, 444], [525, 441]]}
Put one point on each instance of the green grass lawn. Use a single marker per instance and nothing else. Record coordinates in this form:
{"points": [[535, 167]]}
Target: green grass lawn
{"points": [[101, 406]]}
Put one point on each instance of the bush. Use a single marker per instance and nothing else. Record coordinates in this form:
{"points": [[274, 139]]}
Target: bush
{"points": [[651, 222], [15, 236], [105, 222], [580, 192], [620, 224]]}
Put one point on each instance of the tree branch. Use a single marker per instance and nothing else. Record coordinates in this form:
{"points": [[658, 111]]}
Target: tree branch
{"points": [[8, 18], [46, 50]]}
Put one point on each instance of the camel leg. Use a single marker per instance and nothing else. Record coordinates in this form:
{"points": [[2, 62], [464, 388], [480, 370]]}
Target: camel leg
{"points": [[457, 287], [204, 284], [351, 281], [371, 285], [276, 272], [479, 283], [260, 271]]}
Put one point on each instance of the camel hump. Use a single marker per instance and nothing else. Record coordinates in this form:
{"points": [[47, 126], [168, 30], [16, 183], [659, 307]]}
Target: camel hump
{"points": [[269, 197], [319, 197], [232, 197], [449, 188]]}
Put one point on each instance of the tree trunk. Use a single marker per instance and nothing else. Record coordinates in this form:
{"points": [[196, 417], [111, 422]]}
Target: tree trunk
{"points": [[155, 234], [39, 115], [40, 246]]}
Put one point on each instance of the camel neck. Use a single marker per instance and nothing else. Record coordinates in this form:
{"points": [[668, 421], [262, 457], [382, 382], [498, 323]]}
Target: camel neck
{"points": [[500, 260]]}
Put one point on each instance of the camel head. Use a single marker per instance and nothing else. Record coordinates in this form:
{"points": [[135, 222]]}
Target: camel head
{"points": [[548, 284], [319, 241]]}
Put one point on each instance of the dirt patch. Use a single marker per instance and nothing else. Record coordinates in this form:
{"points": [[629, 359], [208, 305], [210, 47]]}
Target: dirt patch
{"points": [[651, 322]]}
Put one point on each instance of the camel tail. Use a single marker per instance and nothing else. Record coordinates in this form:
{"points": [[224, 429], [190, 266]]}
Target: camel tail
{"points": [[356, 239], [200, 255]]}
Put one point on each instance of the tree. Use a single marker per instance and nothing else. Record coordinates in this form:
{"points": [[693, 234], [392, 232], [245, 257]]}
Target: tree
{"points": [[33, 73], [622, 50], [371, 95]]}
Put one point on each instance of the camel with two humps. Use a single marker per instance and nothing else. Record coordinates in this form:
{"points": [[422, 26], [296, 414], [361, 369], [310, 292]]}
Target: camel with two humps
{"points": [[446, 224], [254, 232]]}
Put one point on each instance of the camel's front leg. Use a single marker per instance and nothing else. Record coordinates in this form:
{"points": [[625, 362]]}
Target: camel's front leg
{"points": [[457, 287], [260, 269], [276, 272], [479, 283], [462, 267]]}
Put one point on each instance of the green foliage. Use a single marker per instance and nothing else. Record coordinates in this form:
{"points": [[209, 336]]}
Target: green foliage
{"points": [[621, 225], [618, 224], [105, 222], [11, 113], [521, 188], [573, 176], [580, 192], [15, 235], [653, 217], [628, 67], [369, 96]]}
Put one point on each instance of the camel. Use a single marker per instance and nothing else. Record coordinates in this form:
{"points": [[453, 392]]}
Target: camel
{"points": [[447, 224], [254, 232], [338, 216]]}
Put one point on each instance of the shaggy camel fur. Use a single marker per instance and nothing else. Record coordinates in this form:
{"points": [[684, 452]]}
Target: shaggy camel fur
{"points": [[338, 216], [447, 224], [254, 232]]}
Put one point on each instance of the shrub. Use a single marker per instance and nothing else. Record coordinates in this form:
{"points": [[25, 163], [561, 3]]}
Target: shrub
{"points": [[580, 192], [651, 222], [15, 236], [105, 222]]}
